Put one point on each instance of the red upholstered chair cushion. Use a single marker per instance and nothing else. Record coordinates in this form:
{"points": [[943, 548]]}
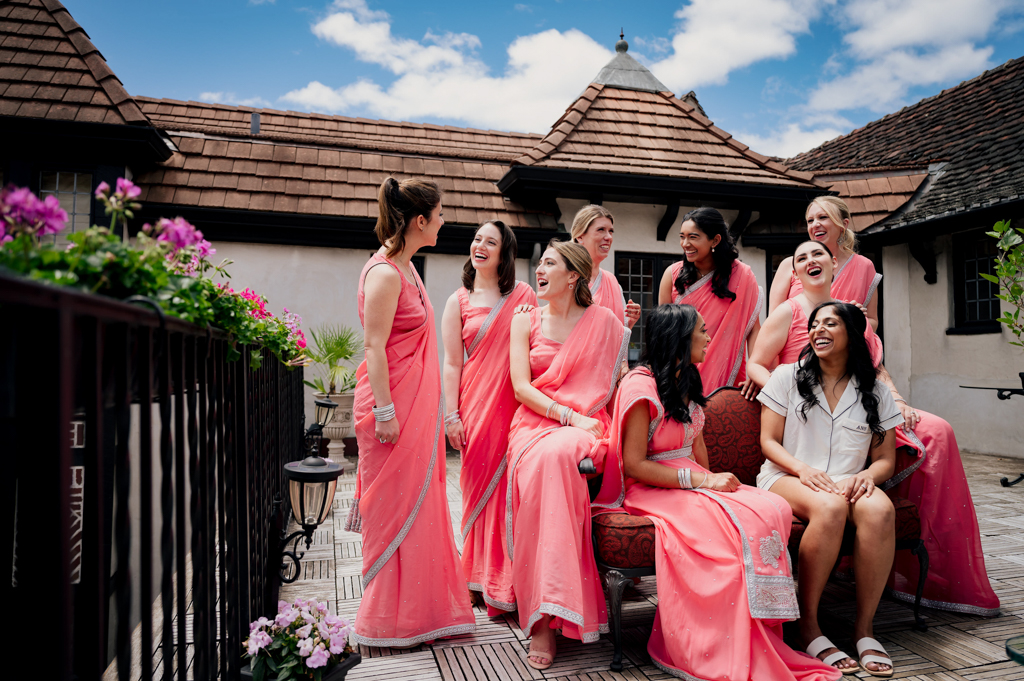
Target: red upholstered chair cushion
{"points": [[732, 433], [623, 540]]}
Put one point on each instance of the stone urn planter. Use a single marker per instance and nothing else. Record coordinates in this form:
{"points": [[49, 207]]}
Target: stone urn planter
{"points": [[336, 673], [340, 427]]}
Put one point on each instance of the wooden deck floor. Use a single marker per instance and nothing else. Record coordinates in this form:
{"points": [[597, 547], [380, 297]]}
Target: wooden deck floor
{"points": [[955, 648]]}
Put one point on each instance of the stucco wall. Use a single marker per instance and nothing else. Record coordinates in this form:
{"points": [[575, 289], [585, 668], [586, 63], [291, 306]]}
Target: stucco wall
{"points": [[941, 363]]}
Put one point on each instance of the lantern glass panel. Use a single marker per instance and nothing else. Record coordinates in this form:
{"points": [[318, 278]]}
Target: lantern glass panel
{"points": [[311, 501]]}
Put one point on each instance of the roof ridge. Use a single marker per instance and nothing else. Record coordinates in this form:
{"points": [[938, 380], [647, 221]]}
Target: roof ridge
{"points": [[96, 63], [909, 107], [562, 128], [332, 117], [314, 141]]}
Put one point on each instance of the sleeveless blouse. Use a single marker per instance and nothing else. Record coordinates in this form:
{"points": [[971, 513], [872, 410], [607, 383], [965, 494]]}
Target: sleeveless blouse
{"points": [[542, 348]]}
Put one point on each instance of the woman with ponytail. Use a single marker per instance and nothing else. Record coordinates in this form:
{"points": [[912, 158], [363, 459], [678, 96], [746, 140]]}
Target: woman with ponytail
{"points": [[594, 229], [714, 593], [828, 434], [414, 589], [724, 291], [480, 402], [565, 360]]}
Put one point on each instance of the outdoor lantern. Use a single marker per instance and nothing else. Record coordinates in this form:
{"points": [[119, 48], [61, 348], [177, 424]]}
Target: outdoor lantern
{"points": [[324, 411], [311, 486]]}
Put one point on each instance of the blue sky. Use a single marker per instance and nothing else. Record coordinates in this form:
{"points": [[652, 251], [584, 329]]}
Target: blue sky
{"points": [[780, 75]]}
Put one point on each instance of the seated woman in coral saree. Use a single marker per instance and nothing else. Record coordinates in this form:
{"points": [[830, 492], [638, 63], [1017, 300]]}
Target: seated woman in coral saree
{"points": [[925, 447], [566, 358], [725, 293], [479, 395], [725, 581], [413, 586]]}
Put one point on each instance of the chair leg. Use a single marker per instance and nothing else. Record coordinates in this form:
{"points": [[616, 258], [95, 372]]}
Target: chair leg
{"points": [[922, 558], [616, 584]]}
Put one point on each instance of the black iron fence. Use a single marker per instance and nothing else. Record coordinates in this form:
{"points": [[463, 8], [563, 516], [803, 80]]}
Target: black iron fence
{"points": [[142, 488]]}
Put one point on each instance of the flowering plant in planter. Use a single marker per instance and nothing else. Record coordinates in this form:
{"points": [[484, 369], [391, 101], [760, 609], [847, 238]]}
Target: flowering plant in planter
{"points": [[304, 641], [168, 262]]}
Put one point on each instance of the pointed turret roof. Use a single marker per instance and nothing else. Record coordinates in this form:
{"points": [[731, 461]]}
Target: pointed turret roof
{"points": [[50, 69], [627, 121]]}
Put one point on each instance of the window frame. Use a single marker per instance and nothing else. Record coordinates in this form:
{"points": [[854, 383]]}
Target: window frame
{"points": [[660, 262], [961, 243]]}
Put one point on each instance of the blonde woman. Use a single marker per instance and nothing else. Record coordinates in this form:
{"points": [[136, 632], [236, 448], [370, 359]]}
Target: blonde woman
{"points": [[594, 229]]}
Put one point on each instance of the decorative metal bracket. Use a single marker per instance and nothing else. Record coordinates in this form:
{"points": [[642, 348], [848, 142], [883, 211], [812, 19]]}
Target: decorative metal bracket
{"points": [[294, 554]]}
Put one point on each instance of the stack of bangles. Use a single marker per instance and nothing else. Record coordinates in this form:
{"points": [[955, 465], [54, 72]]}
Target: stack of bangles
{"points": [[684, 479], [451, 418], [565, 413], [381, 414]]}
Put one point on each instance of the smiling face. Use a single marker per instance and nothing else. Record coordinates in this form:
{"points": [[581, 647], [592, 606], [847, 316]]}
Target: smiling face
{"points": [[485, 251], [699, 341], [820, 226], [553, 277], [828, 335], [695, 244], [813, 265], [598, 239], [431, 226]]}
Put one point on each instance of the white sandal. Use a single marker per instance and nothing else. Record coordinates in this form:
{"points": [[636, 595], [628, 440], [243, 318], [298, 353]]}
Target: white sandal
{"points": [[868, 643], [822, 643]]}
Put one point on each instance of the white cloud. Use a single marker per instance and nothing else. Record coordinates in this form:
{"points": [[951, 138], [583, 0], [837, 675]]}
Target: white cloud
{"points": [[230, 98], [791, 140], [442, 77], [717, 37]]}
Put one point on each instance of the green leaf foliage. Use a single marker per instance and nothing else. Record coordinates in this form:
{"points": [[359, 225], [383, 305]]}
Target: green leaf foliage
{"points": [[1009, 274]]}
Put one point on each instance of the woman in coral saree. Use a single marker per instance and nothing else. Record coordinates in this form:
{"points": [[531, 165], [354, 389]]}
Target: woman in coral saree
{"points": [[725, 580], [481, 402], [594, 229], [566, 358], [725, 292], [413, 586], [927, 457]]}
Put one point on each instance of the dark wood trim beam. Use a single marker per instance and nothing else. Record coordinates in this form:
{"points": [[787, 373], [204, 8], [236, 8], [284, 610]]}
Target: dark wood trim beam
{"points": [[668, 219], [95, 143], [740, 224], [923, 251]]}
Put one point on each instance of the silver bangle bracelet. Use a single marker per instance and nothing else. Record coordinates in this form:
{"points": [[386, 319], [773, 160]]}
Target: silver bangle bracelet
{"points": [[702, 481], [385, 413], [684, 478], [899, 399], [451, 418], [547, 412]]}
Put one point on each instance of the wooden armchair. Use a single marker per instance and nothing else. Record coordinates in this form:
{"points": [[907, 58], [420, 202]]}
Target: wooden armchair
{"points": [[624, 544]]}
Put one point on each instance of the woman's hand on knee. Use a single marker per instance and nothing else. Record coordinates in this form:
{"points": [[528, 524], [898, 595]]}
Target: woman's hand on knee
{"points": [[722, 482], [817, 480], [592, 426], [859, 486]]}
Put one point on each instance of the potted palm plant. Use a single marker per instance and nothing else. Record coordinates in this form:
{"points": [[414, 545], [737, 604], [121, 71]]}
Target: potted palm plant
{"points": [[331, 353]]}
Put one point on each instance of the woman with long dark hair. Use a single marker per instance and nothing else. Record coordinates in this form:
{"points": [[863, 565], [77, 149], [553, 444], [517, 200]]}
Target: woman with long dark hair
{"points": [[828, 433], [725, 292], [480, 401], [566, 359], [928, 461], [401, 506], [594, 229], [720, 605]]}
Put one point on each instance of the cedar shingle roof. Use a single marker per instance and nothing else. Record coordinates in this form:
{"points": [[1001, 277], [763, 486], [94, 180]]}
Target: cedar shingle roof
{"points": [[354, 133], [974, 130], [326, 165], [50, 69], [616, 130], [873, 196]]}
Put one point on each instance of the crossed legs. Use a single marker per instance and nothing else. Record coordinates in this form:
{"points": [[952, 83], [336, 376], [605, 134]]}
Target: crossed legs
{"points": [[826, 515]]}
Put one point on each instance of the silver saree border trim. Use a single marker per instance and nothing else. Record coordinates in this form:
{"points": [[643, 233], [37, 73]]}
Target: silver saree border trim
{"points": [[556, 610], [397, 541], [757, 583], [906, 472], [672, 671], [596, 284], [488, 320], [500, 605], [942, 605], [491, 486], [679, 297], [875, 281], [415, 640], [619, 359], [509, 540], [670, 454]]}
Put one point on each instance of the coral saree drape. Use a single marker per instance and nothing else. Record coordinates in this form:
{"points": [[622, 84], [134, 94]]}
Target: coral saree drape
{"points": [[413, 586]]}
